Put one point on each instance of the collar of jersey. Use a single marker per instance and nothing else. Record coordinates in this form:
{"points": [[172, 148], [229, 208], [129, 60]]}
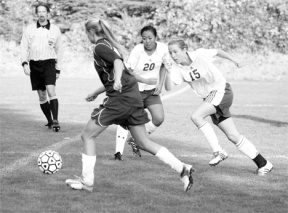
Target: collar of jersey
{"points": [[47, 26]]}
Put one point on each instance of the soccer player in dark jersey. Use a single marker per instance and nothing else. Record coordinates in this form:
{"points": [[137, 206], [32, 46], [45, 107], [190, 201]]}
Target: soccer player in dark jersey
{"points": [[123, 106]]}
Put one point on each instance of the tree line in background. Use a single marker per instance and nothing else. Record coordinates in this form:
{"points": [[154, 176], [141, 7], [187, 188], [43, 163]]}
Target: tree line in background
{"points": [[252, 25]]}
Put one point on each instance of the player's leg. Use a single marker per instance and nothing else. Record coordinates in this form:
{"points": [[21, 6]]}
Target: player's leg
{"points": [[54, 106], [139, 134], [49, 75], [154, 105], [157, 114], [88, 136], [198, 117], [245, 146], [45, 106], [121, 138]]}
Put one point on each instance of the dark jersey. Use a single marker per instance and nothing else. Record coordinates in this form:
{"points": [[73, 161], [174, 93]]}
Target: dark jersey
{"points": [[104, 56]]}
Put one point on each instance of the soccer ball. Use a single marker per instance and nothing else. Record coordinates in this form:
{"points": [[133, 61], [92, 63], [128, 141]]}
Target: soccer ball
{"points": [[49, 162]]}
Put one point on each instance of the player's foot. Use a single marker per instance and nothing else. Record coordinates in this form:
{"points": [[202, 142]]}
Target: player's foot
{"points": [[55, 126], [265, 169], [49, 125], [218, 157], [135, 149], [118, 156], [78, 183], [186, 176]]}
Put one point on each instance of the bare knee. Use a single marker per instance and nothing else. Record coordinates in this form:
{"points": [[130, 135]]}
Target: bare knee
{"points": [[233, 137], [196, 119], [158, 120]]}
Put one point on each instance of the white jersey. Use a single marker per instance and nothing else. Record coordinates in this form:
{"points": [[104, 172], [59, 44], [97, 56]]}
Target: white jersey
{"points": [[148, 66], [202, 75]]}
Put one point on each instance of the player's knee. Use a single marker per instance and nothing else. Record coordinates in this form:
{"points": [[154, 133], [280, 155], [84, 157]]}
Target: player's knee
{"points": [[158, 120], [196, 119], [233, 137]]}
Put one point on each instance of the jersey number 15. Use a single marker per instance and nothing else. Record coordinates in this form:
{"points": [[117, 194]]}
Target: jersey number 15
{"points": [[194, 74]]}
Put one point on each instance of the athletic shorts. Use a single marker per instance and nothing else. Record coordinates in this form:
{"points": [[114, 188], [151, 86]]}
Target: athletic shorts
{"points": [[149, 98], [42, 73], [114, 111], [221, 100]]}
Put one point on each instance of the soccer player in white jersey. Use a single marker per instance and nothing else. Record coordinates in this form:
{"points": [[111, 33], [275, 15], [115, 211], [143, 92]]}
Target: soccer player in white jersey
{"points": [[41, 56], [196, 68], [147, 60]]}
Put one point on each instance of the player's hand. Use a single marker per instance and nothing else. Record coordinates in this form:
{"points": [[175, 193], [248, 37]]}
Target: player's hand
{"points": [[26, 69], [117, 86], [151, 81], [158, 90], [240, 64], [90, 97], [57, 75]]}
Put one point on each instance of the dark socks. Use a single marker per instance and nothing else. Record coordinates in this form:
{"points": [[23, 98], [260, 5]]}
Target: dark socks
{"points": [[46, 110], [54, 108], [260, 161]]}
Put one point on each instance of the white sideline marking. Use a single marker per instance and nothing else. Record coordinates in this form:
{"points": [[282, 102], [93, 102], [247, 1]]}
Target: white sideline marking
{"points": [[34, 155], [24, 161], [179, 155]]}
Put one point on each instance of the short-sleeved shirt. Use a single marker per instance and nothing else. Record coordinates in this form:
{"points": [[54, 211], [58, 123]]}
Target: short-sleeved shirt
{"points": [[202, 75], [104, 56], [148, 66]]}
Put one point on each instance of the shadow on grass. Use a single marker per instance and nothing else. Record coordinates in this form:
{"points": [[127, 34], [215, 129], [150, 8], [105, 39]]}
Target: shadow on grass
{"points": [[262, 120]]}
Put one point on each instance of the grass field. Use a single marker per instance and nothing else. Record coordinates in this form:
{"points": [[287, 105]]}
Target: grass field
{"points": [[143, 184]]}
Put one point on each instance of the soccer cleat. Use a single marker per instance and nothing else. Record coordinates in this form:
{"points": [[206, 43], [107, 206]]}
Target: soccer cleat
{"points": [[55, 126], [118, 156], [135, 149], [218, 157], [265, 169], [78, 184], [186, 176], [49, 125]]}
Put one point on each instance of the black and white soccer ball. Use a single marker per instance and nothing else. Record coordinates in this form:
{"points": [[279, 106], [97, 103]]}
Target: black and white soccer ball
{"points": [[49, 162]]}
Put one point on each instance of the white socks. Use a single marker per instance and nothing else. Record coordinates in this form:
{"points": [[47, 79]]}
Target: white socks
{"points": [[88, 164], [247, 148], [211, 137], [168, 158], [150, 127], [121, 138], [122, 134]]}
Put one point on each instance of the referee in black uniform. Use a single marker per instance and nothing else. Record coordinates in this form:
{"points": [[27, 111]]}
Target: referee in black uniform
{"points": [[41, 56]]}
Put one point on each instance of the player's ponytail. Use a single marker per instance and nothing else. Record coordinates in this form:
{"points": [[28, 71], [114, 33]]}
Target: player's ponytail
{"points": [[111, 37]]}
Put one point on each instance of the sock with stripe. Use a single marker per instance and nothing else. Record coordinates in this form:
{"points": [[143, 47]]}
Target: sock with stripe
{"points": [[88, 165], [211, 137], [121, 137], [45, 107], [168, 158], [247, 148], [54, 107], [150, 127]]}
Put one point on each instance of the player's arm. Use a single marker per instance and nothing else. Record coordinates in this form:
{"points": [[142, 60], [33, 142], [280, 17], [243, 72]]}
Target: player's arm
{"points": [[225, 55], [59, 52], [168, 82], [162, 74], [24, 51], [118, 67], [93, 95], [149, 81]]}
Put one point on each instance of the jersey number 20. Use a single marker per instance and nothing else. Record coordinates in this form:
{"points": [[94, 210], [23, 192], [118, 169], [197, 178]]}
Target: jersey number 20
{"points": [[148, 67]]}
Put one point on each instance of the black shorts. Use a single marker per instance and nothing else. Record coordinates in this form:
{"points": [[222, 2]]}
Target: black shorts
{"points": [[149, 98], [115, 111], [42, 73]]}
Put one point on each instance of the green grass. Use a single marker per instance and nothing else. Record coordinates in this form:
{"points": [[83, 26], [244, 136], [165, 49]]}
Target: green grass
{"points": [[142, 184]]}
